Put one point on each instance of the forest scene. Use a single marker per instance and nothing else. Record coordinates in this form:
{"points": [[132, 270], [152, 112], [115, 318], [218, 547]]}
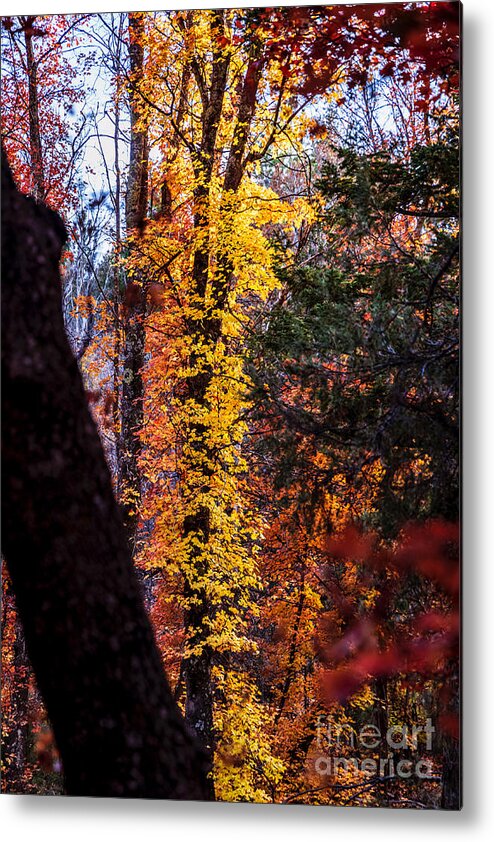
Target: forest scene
{"points": [[230, 439]]}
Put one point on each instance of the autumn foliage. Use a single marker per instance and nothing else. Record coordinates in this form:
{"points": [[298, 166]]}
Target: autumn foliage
{"points": [[263, 294]]}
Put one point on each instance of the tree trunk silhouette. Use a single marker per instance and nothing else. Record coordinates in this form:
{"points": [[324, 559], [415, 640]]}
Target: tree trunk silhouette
{"points": [[90, 643]]}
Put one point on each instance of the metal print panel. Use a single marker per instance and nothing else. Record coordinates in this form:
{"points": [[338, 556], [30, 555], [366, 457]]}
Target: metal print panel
{"points": [[230, 260]]}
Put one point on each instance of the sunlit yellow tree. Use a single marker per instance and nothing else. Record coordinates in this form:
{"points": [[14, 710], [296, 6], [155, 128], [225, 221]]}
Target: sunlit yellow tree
{"points": [[217, 105]]}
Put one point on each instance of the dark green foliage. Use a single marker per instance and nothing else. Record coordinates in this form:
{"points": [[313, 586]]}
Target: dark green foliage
{"points": [[367, 338]]}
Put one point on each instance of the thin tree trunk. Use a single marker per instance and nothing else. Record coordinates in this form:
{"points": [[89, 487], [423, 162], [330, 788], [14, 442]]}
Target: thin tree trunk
{"points": [[205, 331], [135, 298], [33, 111], [451, 782], [290, 669], [116, 262], [451, 754], [306, 734], [90, 643]]}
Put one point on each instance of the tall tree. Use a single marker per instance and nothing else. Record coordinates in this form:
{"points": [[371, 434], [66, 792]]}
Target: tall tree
{"points": [[211, 108], [134, 310]]}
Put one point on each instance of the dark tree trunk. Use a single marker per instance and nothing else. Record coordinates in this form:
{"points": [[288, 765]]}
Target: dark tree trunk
{"points": [[16, 745], [451, 752], [89, 640], [134, 311], [451, 781], [290, 668], [307, 733], [137, 188]]}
